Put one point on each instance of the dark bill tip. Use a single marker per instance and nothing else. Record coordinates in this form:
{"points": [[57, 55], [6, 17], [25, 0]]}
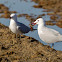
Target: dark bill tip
{"points": [[10, 17]]}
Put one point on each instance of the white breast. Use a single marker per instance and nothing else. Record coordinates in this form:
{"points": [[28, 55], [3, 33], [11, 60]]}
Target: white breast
{"points": [[13, 26], [47, 35]]}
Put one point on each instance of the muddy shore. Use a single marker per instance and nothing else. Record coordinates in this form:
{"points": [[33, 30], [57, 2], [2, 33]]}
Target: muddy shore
{"points": [[25, 50], [29, 49], [52, 6]]}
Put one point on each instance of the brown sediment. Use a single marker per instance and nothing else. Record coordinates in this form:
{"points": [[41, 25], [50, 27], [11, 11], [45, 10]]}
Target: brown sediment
{"points": [[5, 15], [37, 6], [28, 17], [1, 11], [27, 49], [51, 5], [47, 10], [22, 15], [4, 8], [59, 23], [32, 19], [5, 11], [50, 23], [12, 11], [59, 13], [51, 13], [53, 17], [9, 12]]}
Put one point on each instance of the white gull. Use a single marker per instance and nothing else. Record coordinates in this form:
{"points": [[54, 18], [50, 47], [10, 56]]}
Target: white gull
{"points": [[47, 35], [17, 27]]}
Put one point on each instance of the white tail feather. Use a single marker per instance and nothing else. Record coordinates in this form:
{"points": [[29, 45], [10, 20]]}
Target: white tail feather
{"points": [[60, 38]]}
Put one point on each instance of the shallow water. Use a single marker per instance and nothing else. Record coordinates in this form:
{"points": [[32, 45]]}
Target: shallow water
{"points": [[23, 7]]}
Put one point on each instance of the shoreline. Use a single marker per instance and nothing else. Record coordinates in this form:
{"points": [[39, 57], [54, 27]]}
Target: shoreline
{"points": [[27, 49]]}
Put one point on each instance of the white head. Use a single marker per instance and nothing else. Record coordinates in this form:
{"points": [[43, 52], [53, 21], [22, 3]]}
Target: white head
{"points": [[13, 16], [39, 21]]}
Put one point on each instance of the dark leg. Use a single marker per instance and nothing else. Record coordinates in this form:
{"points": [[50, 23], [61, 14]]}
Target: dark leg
{"points": [[48, 45], [20, 36], [16, 36], [52, 45]]}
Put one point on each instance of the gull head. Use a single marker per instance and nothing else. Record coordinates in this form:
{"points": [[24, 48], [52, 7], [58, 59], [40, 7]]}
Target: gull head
{"points": [[39, 21], [13, 16]]}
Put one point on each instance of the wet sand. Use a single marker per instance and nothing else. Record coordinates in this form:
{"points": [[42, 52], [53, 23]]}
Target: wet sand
{"points": [[28, 49], [25, 50], [53, 6]]}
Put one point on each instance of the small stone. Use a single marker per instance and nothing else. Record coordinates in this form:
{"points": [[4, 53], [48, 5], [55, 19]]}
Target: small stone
{"points": [[22, 36]]}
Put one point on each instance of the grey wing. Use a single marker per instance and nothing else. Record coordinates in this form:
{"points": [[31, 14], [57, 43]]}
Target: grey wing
{"points": [[54, 32], [23, 28]]}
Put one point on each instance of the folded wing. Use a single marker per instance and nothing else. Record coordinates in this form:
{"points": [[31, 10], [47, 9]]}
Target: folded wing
{"points": [[23, 28]]}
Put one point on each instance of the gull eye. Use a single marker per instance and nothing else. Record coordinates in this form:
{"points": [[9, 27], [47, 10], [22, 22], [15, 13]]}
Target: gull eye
{"points": [[38, 20], [10, 17]]}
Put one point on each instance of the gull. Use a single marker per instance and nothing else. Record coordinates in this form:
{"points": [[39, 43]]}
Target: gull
{"points": [[47, 35], [17, 27]]}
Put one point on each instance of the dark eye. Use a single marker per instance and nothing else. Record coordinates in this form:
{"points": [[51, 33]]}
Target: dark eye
{"points": [[38, 20]]}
